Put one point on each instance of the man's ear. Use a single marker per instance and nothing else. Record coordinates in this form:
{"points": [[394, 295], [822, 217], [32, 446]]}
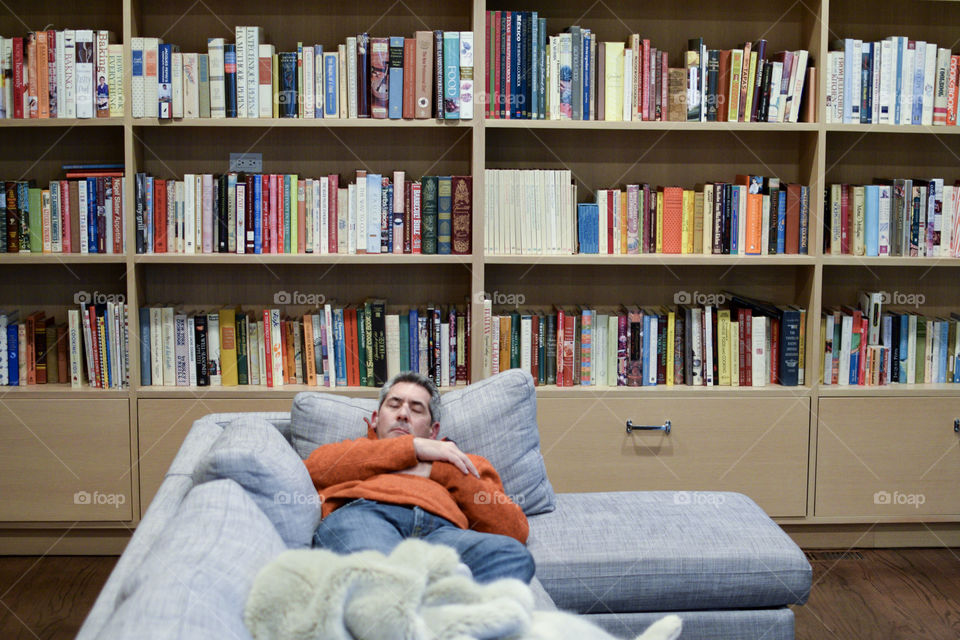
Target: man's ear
{"points": [[372, 421], [434, 429]]}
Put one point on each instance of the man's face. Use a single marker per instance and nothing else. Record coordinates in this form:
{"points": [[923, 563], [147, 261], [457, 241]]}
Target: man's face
{"points": [[406, 410]]}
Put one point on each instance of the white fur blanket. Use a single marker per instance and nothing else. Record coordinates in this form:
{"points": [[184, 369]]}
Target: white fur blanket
{"points": [[415, 593]]}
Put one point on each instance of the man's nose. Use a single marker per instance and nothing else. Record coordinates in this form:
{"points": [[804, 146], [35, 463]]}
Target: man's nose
{"points": [[403, 411]]}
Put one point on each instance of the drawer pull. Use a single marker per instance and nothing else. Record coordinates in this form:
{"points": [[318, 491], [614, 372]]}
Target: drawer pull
{"points": [[665, 427], [956, 425]]}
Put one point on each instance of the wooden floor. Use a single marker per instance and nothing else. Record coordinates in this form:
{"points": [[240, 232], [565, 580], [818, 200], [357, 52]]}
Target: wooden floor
{"points": [[882, 594]]}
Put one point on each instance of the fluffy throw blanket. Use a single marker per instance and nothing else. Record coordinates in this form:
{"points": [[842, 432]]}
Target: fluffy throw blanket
{"points": [[415, 593]]}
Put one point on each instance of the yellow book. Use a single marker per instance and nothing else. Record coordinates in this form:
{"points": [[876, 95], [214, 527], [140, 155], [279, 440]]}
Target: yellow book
{"points": [[734, 343], [723, 346], [686, 229], [623, 222], [671, 342], [698, 221], [736, 70], [659, 221], [613, 78], [751, 82], [275, 89], [228, 347]]}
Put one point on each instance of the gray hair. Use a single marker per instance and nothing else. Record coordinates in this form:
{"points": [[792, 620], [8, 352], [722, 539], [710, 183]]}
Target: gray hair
{"points": [[416, 378]]}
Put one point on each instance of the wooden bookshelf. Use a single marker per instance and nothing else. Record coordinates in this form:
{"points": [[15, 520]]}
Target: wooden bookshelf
{"points": [[786, 447]]}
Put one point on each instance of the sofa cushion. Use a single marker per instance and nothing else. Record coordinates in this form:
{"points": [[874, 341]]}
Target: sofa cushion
{"points": [[195, 579], [252, 452], [495, 418], [665, 551]]}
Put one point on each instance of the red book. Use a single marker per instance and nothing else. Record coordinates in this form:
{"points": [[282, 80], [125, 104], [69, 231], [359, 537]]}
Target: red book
{"points": [[495, 108], [461, 188], [160, 216], [774, 351], [741, 339], [301, 215], [249, 244], [645, 80], [409, 86], [534, 348], [748, 347], [723, 86], [569, 344], [793, 219], [117, 221], [333, 188], [559, 358], [267, 348], [845, 217], [62, 342], [508, 76], [18, 79], [406, 216], [415, 219], [264, 213], [350, 345], [672, 219], [65, 212], [863, 351], [274, 200]]}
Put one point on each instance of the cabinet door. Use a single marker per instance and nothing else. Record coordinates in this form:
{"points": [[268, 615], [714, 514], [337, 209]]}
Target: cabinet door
{"points": [[164, 424], [888, 457], [756, 446], [65, 460]]}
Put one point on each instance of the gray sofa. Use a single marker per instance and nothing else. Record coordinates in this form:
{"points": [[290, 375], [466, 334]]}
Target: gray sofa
{"points": [[622, 559]]}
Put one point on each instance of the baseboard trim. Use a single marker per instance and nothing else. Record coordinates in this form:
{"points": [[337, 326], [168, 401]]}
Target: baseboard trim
{"points": [[63, 542], [874, 536]]}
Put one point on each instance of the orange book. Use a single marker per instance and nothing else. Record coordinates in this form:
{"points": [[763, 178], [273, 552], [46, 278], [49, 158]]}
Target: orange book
{"points": [[723, 86], [291, 347], [792, 231], [284, 363], [160, 215], [31, 80], [267, 350], [504, 343], [672, 219], [350, 337], [754, 209], [308, 352], [409, 90]]}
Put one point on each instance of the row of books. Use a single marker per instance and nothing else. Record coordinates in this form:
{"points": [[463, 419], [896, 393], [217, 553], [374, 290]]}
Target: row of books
{"points": [[865, 346], [891, 81], [574, 76], [354, 345], [91, 346], [743, 343], [531, 212], [286, 213], [429, 75], [73, 73], [70, 216], [901, 217]]}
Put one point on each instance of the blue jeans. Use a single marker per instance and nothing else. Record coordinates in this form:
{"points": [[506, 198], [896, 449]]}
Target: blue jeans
{"points": [[362, 525]]}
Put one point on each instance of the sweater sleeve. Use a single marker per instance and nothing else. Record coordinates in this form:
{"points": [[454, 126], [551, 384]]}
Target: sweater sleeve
{"points": [[359, 459], [482, 500]]}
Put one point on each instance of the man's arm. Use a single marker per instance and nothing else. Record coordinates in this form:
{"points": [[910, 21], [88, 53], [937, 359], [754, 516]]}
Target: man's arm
{"points": [[482, 500], [359, 459]]}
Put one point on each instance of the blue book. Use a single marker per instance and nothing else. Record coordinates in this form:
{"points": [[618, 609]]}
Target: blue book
{"points": [[395, 96], [386, 218], [287, 84], [165, 81], [919, 57], [13, 355], [804, 218], [339, 354], [734, 220], [331, 83], [391, 218], [145, 372], [451, 75], [872, 218], [904, 345], [588, 227], [414, 362], [404, 342], [782, 221], [257, 214], [944, 348], [533, 66], [317, 69], [789, 347], [899, 43], [645, 357], [587, 72], [373, 212], [542, 75], [92, 215], [866, 83], [230, 79]]}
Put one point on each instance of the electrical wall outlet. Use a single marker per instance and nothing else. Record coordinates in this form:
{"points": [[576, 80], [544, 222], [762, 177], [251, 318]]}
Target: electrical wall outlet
{"points": [[246, 162]]}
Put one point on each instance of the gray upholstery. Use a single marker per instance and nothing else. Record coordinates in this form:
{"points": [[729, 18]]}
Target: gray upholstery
{"points": [[749, 624]]}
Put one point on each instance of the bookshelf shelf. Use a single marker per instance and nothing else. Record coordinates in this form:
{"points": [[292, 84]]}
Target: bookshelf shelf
{"points": [[914, 129], [61, 258], [888, 261], [683, 391], [60, 391], [650, 259], [272, 258], [889, 391], [302, 123], [649, 125], [62, 122]]}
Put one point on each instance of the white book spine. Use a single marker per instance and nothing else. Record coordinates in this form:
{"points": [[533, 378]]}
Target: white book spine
{"points": [[218, 105], [151, 87], [331, 351], [929, 82], [466, 75], [168, 336], [74, 338], [445, 354], [181, 359], [887, 88], [276, 354], [60, 69], [362, 215], [213, 349], [250, 331], [191, 352], [240, 35], [319, 84], [191, 87], [759, 362], [351, 218], [351, 78], [241, 221], [85, 68], [941, 87], [176, 79], [252, 63], [308, 87], [393, 344], [189, 213], [775, 78]]}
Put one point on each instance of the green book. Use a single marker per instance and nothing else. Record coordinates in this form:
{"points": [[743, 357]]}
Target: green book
{"points": [[428, 215], [444, 214], [515, 340], [241, 337], [362, 344], [377, 341], [921, 348], [404, 341], [36, 221]]}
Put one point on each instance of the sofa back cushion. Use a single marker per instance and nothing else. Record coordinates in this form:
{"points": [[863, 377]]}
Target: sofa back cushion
{"points": [[253, 453], [195, 579], [495, 418]]}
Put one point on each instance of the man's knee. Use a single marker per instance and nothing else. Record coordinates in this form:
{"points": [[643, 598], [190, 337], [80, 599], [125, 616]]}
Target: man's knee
{"points": [[520, 557], [513, 559]]}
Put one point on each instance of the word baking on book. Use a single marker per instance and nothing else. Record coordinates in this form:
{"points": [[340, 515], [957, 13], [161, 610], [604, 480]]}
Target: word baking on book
{"points": [[74, 73], [357, 345], [427, 76], [900, 217], [91, 346], [286, 213], [81, 214], [573, 76], [751, 216], [866, 346], [738, 342], [892, 81]]}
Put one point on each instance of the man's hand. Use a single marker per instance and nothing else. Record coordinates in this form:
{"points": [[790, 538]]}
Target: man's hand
{"points": [[429, 450], [421, 469]]}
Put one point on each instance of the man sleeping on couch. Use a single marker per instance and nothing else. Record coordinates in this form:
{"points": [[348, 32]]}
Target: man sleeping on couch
{"points": [[401, 482]]}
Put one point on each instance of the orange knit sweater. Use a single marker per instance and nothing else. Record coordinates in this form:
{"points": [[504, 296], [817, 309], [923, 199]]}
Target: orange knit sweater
{"points": [[364, 468]]}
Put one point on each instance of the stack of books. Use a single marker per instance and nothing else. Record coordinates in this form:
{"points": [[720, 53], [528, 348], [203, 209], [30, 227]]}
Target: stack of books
{"points": [[427, 76], [353, 345], [74, 73], [287, 213]]}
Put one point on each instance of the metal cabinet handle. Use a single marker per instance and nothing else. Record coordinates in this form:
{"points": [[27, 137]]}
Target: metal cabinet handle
{"points": [[956, 425], [665, 427]]}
